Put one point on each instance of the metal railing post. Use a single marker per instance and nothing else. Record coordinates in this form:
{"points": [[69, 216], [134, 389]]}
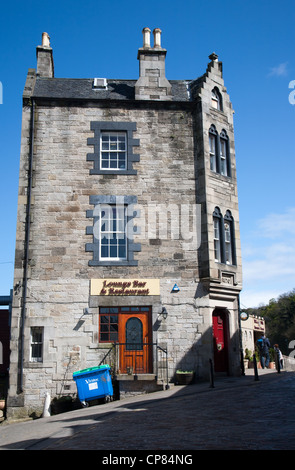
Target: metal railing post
{"points": [[157, 366], [167, 384], [278, 362], [211, 373], [255, 367]]}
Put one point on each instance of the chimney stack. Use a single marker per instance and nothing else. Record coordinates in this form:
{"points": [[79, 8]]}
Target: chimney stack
{"points": [[152, 83], [45, 66]]}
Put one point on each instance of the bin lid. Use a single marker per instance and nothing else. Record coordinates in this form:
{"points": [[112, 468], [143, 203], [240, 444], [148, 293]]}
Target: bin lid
{"points": [[91, 369]]}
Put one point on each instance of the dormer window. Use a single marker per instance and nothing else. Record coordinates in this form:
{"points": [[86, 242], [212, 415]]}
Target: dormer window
{"points": [[216, 100]]}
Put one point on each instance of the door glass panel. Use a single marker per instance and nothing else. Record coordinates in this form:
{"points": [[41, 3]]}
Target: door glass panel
{"points": [[134, 341]]}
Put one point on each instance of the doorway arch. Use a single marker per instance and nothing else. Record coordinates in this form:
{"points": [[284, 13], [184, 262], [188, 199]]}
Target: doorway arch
{"points": [[220, 339]]}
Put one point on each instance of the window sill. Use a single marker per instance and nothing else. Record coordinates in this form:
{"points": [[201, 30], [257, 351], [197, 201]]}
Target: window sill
{"points": [[34, 365], [113, 263], [219, 175], [217, 110], [225, 264], [94, 171]]}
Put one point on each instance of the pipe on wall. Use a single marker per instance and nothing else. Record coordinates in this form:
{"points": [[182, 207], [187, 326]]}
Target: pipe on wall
{"points": [[27, 241]]}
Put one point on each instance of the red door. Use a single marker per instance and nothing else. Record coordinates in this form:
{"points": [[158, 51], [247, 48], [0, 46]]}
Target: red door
{"points": [[135, 353], [220, 340]]}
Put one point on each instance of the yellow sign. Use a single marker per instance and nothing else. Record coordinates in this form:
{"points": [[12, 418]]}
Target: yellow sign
{"points": [[125, 287]]}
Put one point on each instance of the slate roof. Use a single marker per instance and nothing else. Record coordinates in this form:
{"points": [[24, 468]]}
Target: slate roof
{"points": [[80, 88]]}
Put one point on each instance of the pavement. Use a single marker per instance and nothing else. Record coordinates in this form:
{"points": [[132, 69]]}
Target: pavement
{"points": [[238, 413]]}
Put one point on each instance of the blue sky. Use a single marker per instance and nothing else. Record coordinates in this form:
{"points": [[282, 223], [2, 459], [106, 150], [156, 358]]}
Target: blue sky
{"points": [[254, 40]]}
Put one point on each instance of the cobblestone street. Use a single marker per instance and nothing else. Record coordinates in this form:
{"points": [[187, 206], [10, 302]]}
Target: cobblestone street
{"points": [[237, 414]]}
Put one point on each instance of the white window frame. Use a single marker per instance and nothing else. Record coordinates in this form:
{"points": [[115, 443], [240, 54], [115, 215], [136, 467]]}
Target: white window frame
{"points": [[223, 157], [217, 241], [111, 147], [212, 147], [36, 342], [216, 99], [111, 228], [228, 243]]}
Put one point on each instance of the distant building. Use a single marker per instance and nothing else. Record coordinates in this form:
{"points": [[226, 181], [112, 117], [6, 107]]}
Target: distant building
{"points": [[252, 328], [127, 230]]}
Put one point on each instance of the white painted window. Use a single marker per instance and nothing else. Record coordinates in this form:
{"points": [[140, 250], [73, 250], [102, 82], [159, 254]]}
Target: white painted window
{"points": [[113, 240], [217, 247], [228, 243], [223, 157], [113, 150], [216, 100], [212, 146]]}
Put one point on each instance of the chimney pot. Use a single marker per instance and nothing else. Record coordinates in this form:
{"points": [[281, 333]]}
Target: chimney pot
{"points": [[45, 40], [146, 37], [157, 38]]}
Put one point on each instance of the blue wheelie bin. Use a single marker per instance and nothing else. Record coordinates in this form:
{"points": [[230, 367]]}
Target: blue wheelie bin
{"points": [[94, 383]]}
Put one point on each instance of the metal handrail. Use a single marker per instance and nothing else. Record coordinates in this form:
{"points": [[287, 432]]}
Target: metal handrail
{"points": [[107, 354], [137, 348]]}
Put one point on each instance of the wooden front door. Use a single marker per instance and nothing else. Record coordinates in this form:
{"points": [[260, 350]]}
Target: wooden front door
{"points": [[220, 340], [135, 351]]}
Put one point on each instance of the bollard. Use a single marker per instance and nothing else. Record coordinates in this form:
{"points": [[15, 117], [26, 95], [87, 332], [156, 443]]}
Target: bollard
{"points": [[211, 374], [278, 362], [46, 410], [255, 367]]}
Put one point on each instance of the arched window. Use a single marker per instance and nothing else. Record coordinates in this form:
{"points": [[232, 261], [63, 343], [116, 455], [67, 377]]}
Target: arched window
{"points": [[224, 237], [224, 154], [216, 99], [217, 226], [229, 238], [134, 338], [219, 152], [213, 147]]}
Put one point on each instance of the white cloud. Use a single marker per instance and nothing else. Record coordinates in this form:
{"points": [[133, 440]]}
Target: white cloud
{"points": [[269, 259], [274, 225], [251, 298], [274, 261], [279, 71]]}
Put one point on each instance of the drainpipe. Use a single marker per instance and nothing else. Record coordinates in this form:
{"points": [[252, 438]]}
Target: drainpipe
{"points": [[27, 241], [240, 338]]}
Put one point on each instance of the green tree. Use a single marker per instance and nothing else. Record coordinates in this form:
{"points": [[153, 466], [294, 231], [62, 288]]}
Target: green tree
{"points": [[279, 318]]}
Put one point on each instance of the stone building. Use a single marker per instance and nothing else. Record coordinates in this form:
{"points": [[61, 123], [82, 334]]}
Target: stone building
{"points": [[252, 327], [127, 229]]}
